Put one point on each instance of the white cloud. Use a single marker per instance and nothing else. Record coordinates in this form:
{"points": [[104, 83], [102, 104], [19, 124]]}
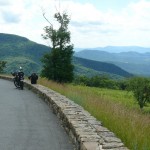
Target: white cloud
{"points": [[10, 17]]}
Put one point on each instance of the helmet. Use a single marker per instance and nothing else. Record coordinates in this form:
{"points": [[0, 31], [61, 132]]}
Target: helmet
{"points": [[20, 68]]}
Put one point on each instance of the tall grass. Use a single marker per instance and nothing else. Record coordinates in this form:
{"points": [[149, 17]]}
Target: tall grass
{"points": [[116, 109]]}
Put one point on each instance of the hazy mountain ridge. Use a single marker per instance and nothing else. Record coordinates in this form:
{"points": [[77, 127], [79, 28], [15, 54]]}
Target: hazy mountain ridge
{"points": [[130, 56], [102, 67], [131, 61], [118, 49]]}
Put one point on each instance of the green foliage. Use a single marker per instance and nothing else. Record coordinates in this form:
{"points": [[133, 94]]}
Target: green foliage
{"points": [[140, 87], [57, 65], [101, 81], [2, 66]]}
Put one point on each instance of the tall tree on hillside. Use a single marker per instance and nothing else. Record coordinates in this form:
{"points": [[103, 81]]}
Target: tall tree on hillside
{"points": [[57, 65]]}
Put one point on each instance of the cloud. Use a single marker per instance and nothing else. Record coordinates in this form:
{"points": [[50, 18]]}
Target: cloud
{"points": [[4, 3], [10, 17], [11, 12]]}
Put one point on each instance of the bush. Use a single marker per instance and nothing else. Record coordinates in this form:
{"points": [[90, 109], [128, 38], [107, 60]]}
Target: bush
{"points": [[97, 81], [140, 87], [2, 66]]}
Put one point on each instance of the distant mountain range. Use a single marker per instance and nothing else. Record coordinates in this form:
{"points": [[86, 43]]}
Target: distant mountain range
{"points": [[19, 51], [131, 61], [118, 49]]}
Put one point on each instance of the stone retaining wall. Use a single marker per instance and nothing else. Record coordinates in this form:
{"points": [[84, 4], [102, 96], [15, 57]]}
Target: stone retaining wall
{"points": [[85, 131]]}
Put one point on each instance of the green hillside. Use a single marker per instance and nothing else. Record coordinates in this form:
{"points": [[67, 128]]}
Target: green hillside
{"points": [[19, 51], [102, 67], [14, 45]]}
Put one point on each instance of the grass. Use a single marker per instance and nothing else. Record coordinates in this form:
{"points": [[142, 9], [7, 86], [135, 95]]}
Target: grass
{"points": [[117, 110]]}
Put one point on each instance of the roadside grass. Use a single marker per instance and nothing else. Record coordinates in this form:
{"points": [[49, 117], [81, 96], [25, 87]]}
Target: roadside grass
{"points": [[117, 110]]}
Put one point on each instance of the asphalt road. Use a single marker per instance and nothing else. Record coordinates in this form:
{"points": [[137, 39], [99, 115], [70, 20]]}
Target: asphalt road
{"points": [[27, 123]]}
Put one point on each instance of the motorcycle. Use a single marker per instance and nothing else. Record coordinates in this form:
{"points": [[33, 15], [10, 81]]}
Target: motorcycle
{"points": [[18, 80]]}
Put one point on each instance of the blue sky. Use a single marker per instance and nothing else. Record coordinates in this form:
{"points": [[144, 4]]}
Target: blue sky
{"points": [[94, 23], [105, 5]]}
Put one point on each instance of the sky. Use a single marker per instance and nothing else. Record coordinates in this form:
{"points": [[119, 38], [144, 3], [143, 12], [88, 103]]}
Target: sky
{"points": [[94, 23]]}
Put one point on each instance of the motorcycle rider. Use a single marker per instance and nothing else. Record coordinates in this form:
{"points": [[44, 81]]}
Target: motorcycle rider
{"points": [[18, 78], [20, 74], [33, 77]]}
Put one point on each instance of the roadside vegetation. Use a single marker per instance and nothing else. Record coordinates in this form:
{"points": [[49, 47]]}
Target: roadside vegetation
{"points": [[2, 66], [117, 109]]}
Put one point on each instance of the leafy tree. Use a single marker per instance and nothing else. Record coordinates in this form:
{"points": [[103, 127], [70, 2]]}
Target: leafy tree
{"points": [[58, 63], [140, 87], [2, 66], [122, 84]]}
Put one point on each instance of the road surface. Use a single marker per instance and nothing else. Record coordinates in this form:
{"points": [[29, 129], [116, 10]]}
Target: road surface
{"points": [[27, 123]]}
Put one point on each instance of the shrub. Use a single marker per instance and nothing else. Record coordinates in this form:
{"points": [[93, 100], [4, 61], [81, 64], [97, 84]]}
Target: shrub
{"points": [[140, 87]]}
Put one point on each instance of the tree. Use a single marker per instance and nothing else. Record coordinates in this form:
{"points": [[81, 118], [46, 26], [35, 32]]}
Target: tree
{"points": [[140, 87], [2, 66], [58, 63]]}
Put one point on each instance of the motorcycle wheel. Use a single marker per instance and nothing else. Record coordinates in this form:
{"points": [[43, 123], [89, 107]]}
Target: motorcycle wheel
{"points": [[16, 84]]}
